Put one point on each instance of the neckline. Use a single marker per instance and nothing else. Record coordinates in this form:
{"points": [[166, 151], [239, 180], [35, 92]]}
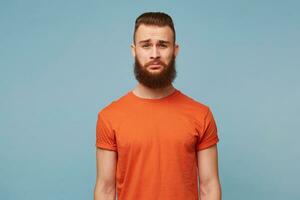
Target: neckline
{"points": [[157, 100]]}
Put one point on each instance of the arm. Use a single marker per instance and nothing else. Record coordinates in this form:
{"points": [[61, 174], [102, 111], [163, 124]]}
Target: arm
{"points": [[210, 187], [105, 187]]}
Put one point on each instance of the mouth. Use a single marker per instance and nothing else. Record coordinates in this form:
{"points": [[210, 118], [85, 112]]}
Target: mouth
{"points": [[154, 66]]}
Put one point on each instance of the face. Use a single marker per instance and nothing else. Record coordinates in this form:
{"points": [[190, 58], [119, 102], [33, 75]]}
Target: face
{"points": [[155, 52]]}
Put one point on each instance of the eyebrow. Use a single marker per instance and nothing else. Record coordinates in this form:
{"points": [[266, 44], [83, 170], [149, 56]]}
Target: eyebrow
{"points": [[159, 41]]}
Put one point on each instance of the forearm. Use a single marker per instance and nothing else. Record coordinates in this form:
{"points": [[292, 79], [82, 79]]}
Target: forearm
{"points": [[104, 192], [210, 191]]}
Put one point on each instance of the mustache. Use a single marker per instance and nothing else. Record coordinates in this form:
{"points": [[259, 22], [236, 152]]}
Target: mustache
{"points": [[155, 62]]}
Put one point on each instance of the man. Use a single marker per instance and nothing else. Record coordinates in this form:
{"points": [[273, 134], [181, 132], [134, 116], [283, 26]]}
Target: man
{"points": [[154, 142]]}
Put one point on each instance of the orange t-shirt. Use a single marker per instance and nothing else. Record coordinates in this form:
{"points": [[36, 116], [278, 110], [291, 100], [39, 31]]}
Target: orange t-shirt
{"points": [[157, 142]]}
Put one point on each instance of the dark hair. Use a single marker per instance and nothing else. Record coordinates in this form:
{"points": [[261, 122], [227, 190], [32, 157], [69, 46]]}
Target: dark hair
{"points": [[156, 19]]}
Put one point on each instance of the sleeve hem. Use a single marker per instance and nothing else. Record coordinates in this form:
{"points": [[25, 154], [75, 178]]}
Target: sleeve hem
{"points": [[208, 144], [105, 146]]}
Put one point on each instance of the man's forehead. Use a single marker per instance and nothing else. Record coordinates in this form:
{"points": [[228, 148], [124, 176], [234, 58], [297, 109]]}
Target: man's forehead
{"points": [[154, 33]]}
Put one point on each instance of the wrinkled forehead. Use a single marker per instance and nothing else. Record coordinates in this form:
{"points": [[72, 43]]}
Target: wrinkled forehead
{"points": [[153, 33]]}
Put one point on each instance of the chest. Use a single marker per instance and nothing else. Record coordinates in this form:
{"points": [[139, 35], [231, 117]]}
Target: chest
{"points": [[165, 131]]}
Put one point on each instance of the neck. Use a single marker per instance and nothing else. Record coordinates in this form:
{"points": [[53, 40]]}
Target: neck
{"points": [[145, 92]]}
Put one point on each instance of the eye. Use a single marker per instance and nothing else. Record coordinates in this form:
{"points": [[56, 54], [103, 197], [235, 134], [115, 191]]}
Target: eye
{"points": [[163, 45], [146, 45]]}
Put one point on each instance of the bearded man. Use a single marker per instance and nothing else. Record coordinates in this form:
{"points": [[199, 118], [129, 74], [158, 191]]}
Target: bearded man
{"points": [[155, 142]]}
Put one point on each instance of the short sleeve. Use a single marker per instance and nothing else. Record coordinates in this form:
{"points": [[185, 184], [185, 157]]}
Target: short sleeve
{"points": [[105, 136], [209, 134]]}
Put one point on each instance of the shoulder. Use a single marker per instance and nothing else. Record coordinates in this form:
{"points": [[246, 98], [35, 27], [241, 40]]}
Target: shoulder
{"points": [[114, 108], [193, 104]]}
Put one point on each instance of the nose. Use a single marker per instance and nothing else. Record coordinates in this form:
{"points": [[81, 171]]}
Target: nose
{"points": [[155, 54]]}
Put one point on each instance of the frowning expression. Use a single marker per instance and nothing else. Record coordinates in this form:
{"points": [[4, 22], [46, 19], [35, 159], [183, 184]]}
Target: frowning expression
{"points": [[154, 47]]}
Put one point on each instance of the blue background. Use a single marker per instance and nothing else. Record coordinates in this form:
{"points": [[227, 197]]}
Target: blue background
{"points": [[62, 61]]}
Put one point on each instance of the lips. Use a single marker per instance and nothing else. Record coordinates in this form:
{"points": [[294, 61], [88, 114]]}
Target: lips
{"points": [[155, 66]]}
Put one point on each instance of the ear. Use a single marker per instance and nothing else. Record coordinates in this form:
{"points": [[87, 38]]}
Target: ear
{"points": [[133, 49], [176, 49]]}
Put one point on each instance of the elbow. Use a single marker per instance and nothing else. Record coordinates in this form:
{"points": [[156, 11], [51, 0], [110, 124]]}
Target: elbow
{"points": [[105, 190], [210, 190]]}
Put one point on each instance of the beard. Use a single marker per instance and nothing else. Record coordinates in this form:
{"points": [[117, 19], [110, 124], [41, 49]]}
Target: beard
{"points": [[156, 80]]}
